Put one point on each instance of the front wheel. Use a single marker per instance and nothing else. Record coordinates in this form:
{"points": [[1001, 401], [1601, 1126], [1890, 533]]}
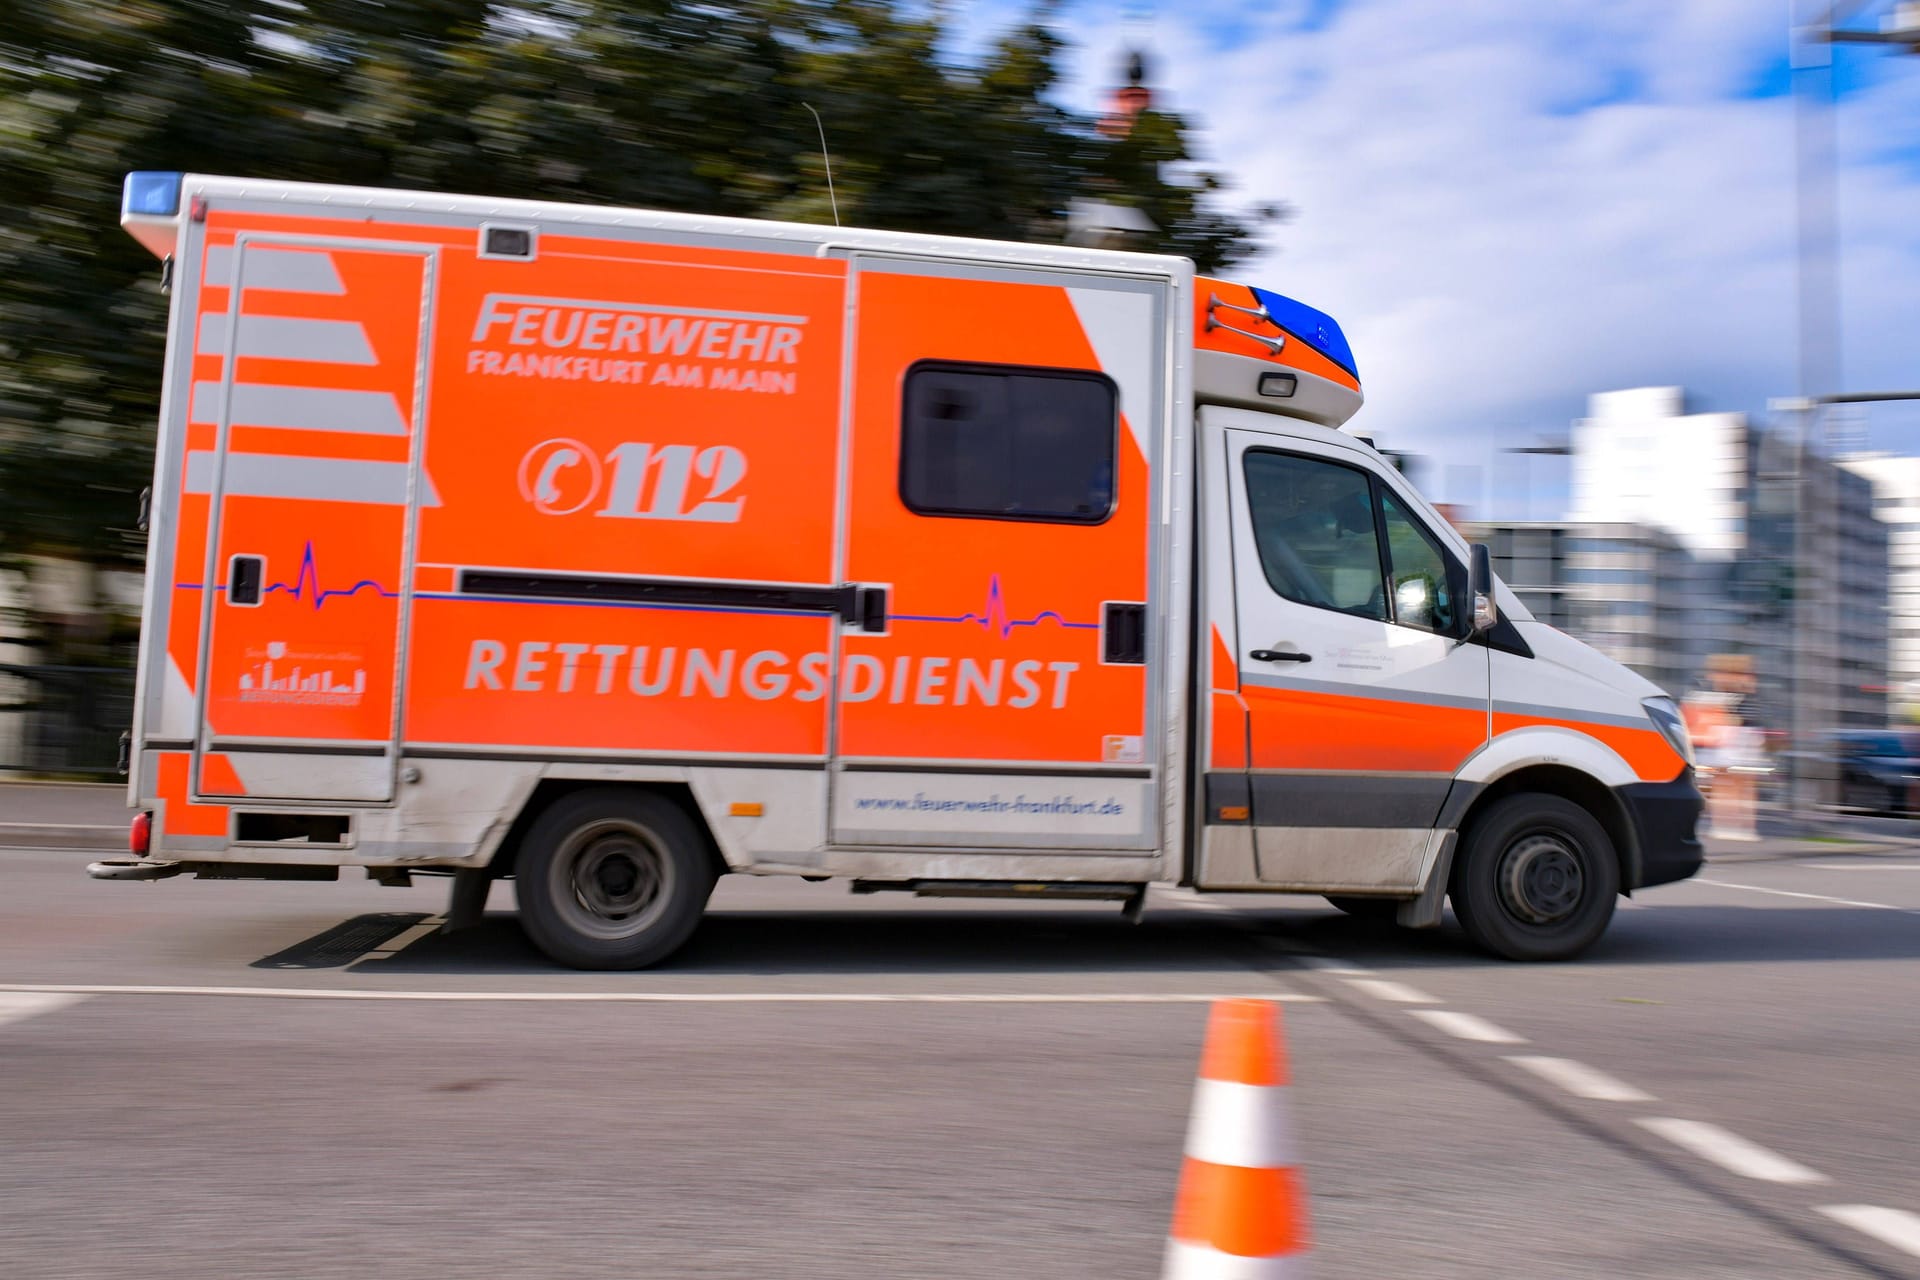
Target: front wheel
{"points": [[1536, 879], [612, 879]]}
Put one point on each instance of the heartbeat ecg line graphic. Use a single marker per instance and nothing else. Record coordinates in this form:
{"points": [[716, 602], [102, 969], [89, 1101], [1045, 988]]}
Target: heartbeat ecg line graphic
{"points": [[306, 584], [994, 616]]}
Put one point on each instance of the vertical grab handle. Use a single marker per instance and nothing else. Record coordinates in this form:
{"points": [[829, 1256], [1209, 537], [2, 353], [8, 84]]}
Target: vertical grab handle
{"points": [[246, 576]]}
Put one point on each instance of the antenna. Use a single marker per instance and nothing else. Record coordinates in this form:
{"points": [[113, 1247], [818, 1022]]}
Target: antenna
{"points": [[826, 160]]}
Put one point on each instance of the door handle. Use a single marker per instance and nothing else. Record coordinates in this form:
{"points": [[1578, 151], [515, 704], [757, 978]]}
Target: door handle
{"points": [[1275, 655]]}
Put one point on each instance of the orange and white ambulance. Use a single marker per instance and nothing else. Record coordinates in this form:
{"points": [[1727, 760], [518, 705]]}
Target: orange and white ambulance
{"points": [[614, 550]]}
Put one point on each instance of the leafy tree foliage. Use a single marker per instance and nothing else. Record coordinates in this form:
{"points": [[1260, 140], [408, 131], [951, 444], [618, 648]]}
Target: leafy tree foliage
{"points": [[658, 103]]}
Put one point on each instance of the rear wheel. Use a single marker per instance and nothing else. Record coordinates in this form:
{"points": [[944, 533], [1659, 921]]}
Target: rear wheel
{"points": [[1536, 879], [612, 879], [1382, 909]]}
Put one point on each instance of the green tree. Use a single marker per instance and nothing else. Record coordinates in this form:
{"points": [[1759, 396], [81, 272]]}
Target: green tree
{"points": [[659, 103]]}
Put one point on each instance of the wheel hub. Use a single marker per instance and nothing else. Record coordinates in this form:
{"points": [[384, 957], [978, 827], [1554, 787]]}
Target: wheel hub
{"points": [[1540, 879], [615, 878], [613, 881]]}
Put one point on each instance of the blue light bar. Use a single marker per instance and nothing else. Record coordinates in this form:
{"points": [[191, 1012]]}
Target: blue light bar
{"points": [[152, 193], [1314, 327]]}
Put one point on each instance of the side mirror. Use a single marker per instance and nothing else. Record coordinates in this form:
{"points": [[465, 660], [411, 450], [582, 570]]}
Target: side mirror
{"points": [[1486, 615]]}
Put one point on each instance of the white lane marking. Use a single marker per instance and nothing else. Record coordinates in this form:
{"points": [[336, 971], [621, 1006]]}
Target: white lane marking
{"points": [[1864, 866], [1731, 1151], [1385, 989], [1814, 897], [1338, 968], [1579, 1079], [1467, 1026], [16, 1005], [401, 941], [684, 997], [1896, 1227]]}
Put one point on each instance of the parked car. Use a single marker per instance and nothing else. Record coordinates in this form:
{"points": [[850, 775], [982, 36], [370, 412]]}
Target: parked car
{"points": [[1879, 769]]}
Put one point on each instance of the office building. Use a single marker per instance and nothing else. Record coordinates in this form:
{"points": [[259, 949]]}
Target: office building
{"points": [[1629, 590], [1896, 503], [1682, 541]]}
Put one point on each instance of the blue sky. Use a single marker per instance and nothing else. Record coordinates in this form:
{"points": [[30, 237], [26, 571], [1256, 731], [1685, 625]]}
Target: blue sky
{"points": [[1510, 205]]}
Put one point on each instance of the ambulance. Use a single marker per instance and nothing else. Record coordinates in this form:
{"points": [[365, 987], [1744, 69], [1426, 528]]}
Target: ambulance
{"points": [[613, 551]]}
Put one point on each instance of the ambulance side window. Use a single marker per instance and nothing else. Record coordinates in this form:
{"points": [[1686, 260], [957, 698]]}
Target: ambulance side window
{"points": [[1008, 442], [1317, 533], [1426, 582]]}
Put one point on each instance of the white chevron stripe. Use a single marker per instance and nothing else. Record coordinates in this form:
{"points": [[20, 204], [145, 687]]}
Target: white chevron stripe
{"points": [[1118, 326], [288, 270], [270, 475], [258, 404], [288, 338]]}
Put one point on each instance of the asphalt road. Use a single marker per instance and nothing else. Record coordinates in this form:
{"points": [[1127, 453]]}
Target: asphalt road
{"points": [[304, 1080]]}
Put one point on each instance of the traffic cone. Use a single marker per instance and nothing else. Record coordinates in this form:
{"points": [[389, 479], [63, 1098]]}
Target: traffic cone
{"points": [[1241, 1212]]}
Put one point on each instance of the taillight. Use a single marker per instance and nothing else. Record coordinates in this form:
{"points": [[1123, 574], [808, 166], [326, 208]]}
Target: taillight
{"points": [[140, 835]]}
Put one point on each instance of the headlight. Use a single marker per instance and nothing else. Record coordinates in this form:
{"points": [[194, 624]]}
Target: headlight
{"points": [[1666, 718]]}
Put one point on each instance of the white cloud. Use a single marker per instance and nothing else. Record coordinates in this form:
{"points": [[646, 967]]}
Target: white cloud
{"points": [[1510, 205]]}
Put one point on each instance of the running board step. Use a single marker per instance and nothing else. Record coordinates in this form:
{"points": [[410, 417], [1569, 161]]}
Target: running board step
{"points": [[133, 869], [162, 868], [1101, 891]]}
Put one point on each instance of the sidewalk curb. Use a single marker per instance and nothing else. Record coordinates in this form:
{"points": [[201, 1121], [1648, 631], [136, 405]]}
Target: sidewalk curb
{"points": [[1865, 849], [62, 835]]}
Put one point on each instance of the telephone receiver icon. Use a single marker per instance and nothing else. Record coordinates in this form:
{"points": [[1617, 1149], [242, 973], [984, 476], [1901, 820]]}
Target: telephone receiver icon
{"points": [[545, 491]]}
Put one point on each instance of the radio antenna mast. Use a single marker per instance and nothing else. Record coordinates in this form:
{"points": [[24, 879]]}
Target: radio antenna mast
{"points": [[826, 160]]}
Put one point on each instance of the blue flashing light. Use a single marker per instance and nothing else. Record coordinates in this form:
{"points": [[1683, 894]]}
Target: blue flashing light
{"points": [[152, 193], [1312, 326]]}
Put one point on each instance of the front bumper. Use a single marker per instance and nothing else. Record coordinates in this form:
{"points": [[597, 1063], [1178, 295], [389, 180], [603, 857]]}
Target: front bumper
{"points": [[1665, 815]]}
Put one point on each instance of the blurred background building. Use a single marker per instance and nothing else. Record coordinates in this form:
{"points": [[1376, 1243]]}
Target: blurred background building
{"points": [[1680, 543], [1630, 590], [1896, 501]]}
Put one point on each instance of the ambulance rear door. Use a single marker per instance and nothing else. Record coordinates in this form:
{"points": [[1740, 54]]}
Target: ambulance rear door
{"points": [[306, 419], [1004, 469]]}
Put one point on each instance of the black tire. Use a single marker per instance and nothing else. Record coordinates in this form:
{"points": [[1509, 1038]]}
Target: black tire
{"points": [[1535, 878], [612, 878], [1379, 909]]}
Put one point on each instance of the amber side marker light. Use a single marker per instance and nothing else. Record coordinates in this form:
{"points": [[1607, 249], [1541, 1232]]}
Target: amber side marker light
{"points": [[1235, 813], [746, 809]]}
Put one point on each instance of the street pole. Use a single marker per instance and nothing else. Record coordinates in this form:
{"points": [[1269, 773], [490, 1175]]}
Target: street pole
{"points": [[1816, 181]]}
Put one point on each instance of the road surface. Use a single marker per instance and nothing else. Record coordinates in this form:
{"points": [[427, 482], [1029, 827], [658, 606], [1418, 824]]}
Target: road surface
{"points": [[305, 1080]]}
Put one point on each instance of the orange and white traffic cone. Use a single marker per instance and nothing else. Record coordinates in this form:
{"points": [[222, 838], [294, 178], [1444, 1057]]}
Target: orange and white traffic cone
{"points": [[1241, 1212]]}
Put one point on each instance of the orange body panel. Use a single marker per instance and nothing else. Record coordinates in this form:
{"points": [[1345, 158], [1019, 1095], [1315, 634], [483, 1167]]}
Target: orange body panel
{"points": [[1647, 753], [629, 411], [1297, 729], [617, 409], [1228, 748], [619, 396], [173, 785], [1015, 597], [589, 677]]}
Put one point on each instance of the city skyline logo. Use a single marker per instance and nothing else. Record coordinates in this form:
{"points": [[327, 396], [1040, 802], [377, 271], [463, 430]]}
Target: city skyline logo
{"points": [[285, 676]]}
